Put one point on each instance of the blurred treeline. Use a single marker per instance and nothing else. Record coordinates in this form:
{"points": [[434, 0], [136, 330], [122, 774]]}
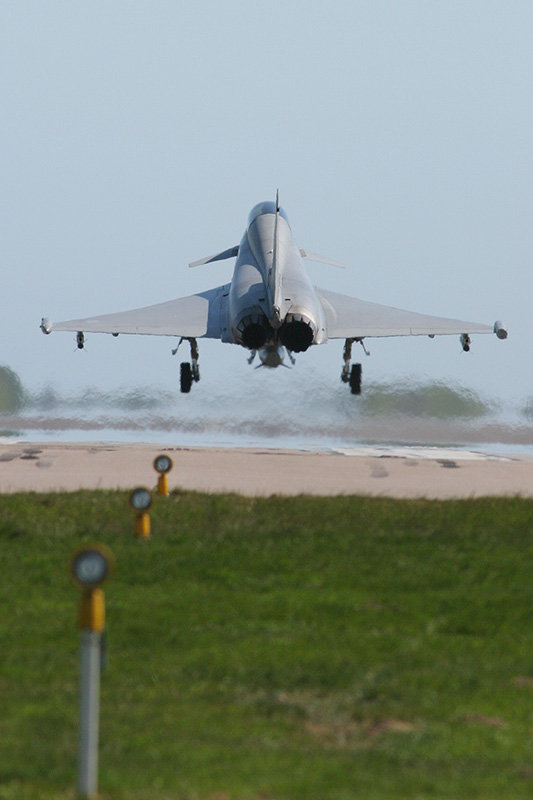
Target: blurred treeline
{"points": [[432, 399]]}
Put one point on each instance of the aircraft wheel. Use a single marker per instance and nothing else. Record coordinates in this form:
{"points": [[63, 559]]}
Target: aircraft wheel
{"points": [[355, 379], [185, 376]]}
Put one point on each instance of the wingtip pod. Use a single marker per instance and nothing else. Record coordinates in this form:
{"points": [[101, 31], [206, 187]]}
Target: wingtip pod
{"points": [[500, 330], [46, 325]]}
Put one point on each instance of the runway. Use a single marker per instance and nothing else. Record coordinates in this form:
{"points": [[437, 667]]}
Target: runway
{"points": [[401, 472]]}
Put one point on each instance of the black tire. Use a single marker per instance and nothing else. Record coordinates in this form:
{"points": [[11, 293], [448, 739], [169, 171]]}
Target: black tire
{"points": [[355, 379], [185, 377]]}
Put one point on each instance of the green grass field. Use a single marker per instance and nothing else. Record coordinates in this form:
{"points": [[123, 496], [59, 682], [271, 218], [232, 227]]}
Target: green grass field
{"points": [[300, 648]]}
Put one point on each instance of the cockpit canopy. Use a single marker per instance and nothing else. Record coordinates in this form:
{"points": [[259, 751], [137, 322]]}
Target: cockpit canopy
{"points": [[268, 207]]}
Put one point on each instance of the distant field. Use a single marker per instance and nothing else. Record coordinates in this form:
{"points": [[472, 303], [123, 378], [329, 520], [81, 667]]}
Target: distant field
{"points": [[274, 649]]}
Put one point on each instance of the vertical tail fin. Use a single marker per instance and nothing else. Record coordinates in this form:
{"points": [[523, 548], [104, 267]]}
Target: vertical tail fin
{"points": [[276, 276]]}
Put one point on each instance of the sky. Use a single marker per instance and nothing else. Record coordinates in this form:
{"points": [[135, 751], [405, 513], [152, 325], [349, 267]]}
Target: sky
{"points": [[135, 137]]}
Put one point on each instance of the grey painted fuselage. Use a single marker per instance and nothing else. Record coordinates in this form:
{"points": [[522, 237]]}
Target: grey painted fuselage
{"points": [[271, 308], [271, 299]]}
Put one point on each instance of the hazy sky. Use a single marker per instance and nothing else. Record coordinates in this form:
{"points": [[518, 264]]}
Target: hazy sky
{"points": [[135, 137]]}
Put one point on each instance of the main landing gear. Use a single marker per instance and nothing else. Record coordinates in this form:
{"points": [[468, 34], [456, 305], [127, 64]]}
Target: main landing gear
{"points": [[189, 372], [352, 375]]}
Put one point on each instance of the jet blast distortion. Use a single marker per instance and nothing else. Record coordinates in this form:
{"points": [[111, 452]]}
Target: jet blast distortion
{"points": [[271, 309]]}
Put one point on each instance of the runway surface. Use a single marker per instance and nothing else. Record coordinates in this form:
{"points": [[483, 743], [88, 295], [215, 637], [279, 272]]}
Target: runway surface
{"points": [[429, 472]]}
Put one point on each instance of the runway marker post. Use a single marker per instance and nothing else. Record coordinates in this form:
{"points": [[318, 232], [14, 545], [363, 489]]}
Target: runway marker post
{"points": [[140, 501], [90, 567], [163, 465]]}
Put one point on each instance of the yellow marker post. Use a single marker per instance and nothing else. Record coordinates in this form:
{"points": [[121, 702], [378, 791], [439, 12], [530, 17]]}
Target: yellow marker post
{"points": [[163, 465], [90, 566], [140, 501], [162, 486], [141, 526], [91, 615]]}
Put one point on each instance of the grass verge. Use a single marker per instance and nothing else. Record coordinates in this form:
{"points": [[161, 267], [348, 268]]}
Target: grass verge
{"points": [[274, 648]]}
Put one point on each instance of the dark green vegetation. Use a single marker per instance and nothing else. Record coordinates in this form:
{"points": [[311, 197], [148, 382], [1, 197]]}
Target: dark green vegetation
{"points": [[296, 648], [417, 399], [429, 399], [11, 391]]}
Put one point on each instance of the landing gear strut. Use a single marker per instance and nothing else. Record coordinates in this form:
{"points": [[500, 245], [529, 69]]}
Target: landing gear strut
{"points": [[347, 355], [352, 375], [465, 342], [189, 372]]}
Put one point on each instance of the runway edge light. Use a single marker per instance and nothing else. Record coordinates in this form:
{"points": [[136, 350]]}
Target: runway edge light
{"points": [[162, 464], [90, 566], [140, 500]]}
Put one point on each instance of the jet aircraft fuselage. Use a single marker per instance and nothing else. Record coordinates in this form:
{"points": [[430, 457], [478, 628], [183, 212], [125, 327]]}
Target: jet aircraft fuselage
{"points": [[271, 308], [271, 299]]}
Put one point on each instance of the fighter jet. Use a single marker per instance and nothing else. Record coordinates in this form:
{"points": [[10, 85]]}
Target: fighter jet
{"points": [[271, 308]]}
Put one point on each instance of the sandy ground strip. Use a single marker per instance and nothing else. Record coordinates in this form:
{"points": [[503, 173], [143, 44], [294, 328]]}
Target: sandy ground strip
{"points": [[404, 472]]}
